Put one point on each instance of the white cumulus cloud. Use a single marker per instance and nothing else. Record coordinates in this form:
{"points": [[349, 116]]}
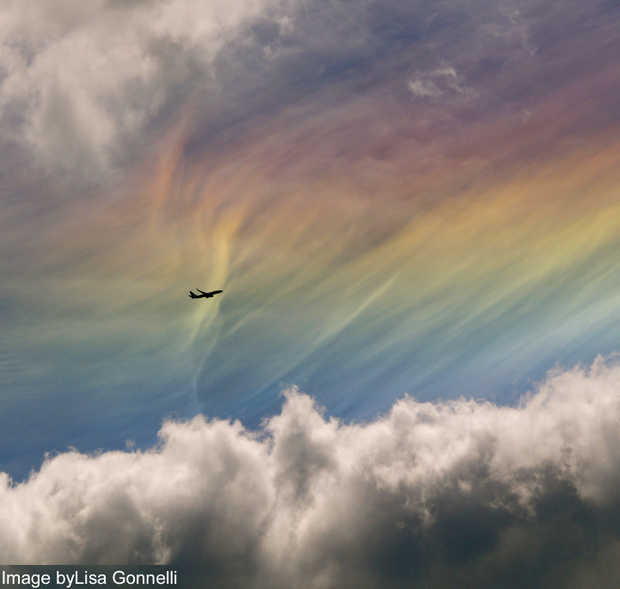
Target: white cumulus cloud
{"points": [[430, 493]]}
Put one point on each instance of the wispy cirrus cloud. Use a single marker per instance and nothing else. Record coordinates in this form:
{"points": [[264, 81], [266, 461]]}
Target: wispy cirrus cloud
{"points": [[78, 81]]}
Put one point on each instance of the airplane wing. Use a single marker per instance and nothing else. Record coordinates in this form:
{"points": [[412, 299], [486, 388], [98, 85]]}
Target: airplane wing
{"points": [[203, 294]]}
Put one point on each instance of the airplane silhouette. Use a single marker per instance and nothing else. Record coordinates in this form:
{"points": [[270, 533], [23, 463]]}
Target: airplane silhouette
{"points": [[204, 295]]}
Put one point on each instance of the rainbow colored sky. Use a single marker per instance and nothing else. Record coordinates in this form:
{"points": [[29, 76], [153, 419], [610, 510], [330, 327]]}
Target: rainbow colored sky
{"points": [[395, 199]]}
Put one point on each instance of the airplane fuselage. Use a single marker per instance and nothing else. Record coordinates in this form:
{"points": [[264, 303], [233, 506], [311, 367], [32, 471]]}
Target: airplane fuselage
{"points": [[203, 295]]}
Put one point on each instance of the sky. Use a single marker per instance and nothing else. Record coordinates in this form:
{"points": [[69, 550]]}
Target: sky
{"points": [[413, 211]]}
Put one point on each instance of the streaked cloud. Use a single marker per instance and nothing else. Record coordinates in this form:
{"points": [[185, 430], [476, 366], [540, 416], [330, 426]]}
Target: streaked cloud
{"points": [[82, 81]]}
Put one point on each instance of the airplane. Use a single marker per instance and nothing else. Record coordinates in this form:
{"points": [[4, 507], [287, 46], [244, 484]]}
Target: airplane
{"points": [[204, 295]]}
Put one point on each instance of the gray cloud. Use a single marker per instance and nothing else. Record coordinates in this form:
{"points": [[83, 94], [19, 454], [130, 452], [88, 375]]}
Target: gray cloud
{"points": [[430, 495], [78, 78]]}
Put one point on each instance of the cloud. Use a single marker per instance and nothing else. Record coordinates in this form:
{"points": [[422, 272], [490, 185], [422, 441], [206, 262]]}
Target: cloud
{"points": [[79, 77], [424, 88], [430, 495], [441, 81], [80, 80]]}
